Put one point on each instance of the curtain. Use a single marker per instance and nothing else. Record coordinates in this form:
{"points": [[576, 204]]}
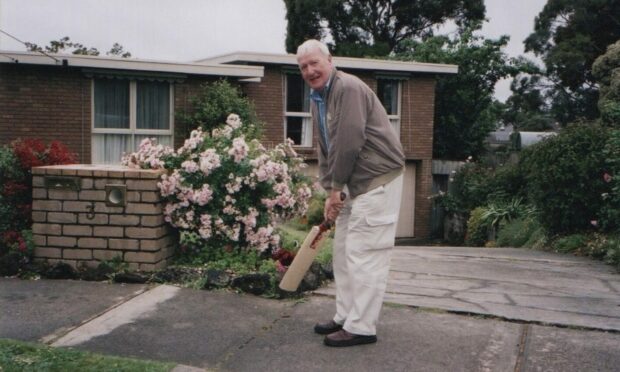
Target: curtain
{"points": [[109, 148], [111, 103], [153, 105]]}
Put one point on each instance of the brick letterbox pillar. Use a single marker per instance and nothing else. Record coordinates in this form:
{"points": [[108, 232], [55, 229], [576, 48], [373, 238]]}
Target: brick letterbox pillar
{"points": [[84, 214]]}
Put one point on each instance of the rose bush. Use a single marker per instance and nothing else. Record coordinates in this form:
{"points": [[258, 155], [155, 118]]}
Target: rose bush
{"points": [[16, 161], [223, 192]]}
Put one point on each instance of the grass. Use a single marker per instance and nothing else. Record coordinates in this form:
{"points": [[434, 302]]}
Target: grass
{"points": [[25, 356]]}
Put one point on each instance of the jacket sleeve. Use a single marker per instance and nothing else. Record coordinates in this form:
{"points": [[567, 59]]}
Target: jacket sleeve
{"points": [[348, 135]]}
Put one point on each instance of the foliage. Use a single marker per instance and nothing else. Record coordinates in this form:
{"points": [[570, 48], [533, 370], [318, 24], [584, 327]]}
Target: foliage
{"points": [[358, 28], [612, 248], [599, 246], [569, 35], [518, 232], [222, 192], [16, 161], [477, 184], [606, 70], [564, 176], [25, 356], [477, 228], [465, 112], [569, 243], [214, 102], [609, 214], [527, 108], [497, 213], [64, 45], [315, 208]]}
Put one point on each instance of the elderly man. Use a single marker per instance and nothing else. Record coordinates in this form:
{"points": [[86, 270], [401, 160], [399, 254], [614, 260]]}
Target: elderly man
{"points": [[360, 155]]}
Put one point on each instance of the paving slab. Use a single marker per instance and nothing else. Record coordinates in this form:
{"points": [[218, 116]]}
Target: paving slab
{"points": [[409, 340], [198, 328], [568, 350], [33, 309], [516, 284]]}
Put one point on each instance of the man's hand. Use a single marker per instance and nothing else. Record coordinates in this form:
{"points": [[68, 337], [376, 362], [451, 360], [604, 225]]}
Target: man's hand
{"points": [[333, 205]]}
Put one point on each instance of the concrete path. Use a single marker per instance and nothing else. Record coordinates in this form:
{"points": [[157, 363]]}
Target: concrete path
{"points": [[514, 284], [225, 331]]}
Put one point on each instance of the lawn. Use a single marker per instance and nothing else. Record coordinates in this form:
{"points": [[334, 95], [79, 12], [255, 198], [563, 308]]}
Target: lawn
{"points": [[24, 356]]}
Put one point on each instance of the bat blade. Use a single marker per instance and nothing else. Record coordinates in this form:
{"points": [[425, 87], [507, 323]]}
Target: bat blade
{"points": [[302, 261]]}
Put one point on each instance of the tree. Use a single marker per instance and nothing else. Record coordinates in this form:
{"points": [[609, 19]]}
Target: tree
{"points": [[606, 70], [65, 44], [465, 111], [373, 27], [527, 108], [568, 36]]}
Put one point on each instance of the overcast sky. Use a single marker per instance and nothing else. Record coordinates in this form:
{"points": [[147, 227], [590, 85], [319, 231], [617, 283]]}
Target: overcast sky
{"points": [[185, 30]]}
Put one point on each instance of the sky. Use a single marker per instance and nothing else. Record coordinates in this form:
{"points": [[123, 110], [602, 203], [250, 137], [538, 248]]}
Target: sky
{"points": [[188, 30]]}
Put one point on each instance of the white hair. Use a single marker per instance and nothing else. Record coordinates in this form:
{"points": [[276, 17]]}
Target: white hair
{"points": [[312, 45]]}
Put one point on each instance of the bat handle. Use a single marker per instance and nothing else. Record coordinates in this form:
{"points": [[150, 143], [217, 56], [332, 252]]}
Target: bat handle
{"points": [[326, 225]]}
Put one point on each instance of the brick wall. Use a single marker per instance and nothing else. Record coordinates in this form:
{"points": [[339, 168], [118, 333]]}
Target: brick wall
{"points": [[417, 117], [267, 97], [46, 102], [77, 227]]}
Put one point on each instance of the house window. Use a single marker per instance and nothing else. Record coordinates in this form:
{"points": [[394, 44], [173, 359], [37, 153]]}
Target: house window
{"points": [[388, 91], [298, 121], [127, 111]]}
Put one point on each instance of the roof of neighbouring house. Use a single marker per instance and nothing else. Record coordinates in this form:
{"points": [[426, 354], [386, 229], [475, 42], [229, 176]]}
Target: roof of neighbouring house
{"points": [[131, 64], [342, 62]]}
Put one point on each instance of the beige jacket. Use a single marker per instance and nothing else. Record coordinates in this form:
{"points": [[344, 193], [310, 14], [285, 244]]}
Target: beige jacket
{"points": [[365, 151]]}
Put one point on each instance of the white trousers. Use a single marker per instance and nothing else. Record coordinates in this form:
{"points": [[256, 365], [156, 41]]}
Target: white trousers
{"points": [[365, 231]]}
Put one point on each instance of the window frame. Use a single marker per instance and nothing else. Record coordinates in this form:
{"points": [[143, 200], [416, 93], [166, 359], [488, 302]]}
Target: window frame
{"points": [[306, 116], [395, 119], [133, 121]]}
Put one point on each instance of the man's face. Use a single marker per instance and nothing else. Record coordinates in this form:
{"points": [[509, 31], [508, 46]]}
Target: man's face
{"points": [[315, 68]]}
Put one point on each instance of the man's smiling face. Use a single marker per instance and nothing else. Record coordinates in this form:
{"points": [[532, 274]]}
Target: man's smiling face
{"points": [[315, 68]]}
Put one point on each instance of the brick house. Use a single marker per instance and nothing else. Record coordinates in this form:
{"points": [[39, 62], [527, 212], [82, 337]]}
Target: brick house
{"points": [[103, 106]]}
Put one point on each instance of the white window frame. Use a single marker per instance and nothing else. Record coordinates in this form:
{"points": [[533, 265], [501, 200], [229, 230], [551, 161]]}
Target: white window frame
{"points": [[395, 118], [132, 130], [307, 130]]}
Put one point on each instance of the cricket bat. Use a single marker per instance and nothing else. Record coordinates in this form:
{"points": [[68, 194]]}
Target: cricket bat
{"points": [[305, 255]]}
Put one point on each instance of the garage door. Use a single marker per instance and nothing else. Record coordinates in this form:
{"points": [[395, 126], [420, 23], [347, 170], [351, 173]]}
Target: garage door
{"points": [[407, 207]]}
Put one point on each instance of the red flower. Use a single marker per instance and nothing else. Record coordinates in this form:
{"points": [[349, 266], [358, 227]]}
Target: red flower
{"points": [[59, 154], [283, 256]]}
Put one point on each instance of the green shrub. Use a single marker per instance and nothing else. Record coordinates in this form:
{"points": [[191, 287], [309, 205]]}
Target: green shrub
{"points": [[212, 105], [315, 208], [518, 232], [477, 228], [469, 188], [476, 184], [612, 256], [609, 214], [570, 243], [538, 239], [498, 212], [563, 175]]}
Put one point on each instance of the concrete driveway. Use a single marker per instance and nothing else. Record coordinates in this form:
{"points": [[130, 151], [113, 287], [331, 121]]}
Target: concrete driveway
{"points": [[224, 331], [513, 284]]}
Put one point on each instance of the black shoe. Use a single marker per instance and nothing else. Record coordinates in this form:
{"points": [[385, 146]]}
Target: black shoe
{"points": [[343, 338], [327, 328]]}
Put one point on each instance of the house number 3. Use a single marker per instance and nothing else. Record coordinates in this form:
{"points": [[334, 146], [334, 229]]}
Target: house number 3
{"points": [[91, 211]]}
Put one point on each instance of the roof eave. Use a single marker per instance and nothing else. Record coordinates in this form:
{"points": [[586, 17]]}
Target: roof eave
{"points": [[240, 71], [342, 62]]}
